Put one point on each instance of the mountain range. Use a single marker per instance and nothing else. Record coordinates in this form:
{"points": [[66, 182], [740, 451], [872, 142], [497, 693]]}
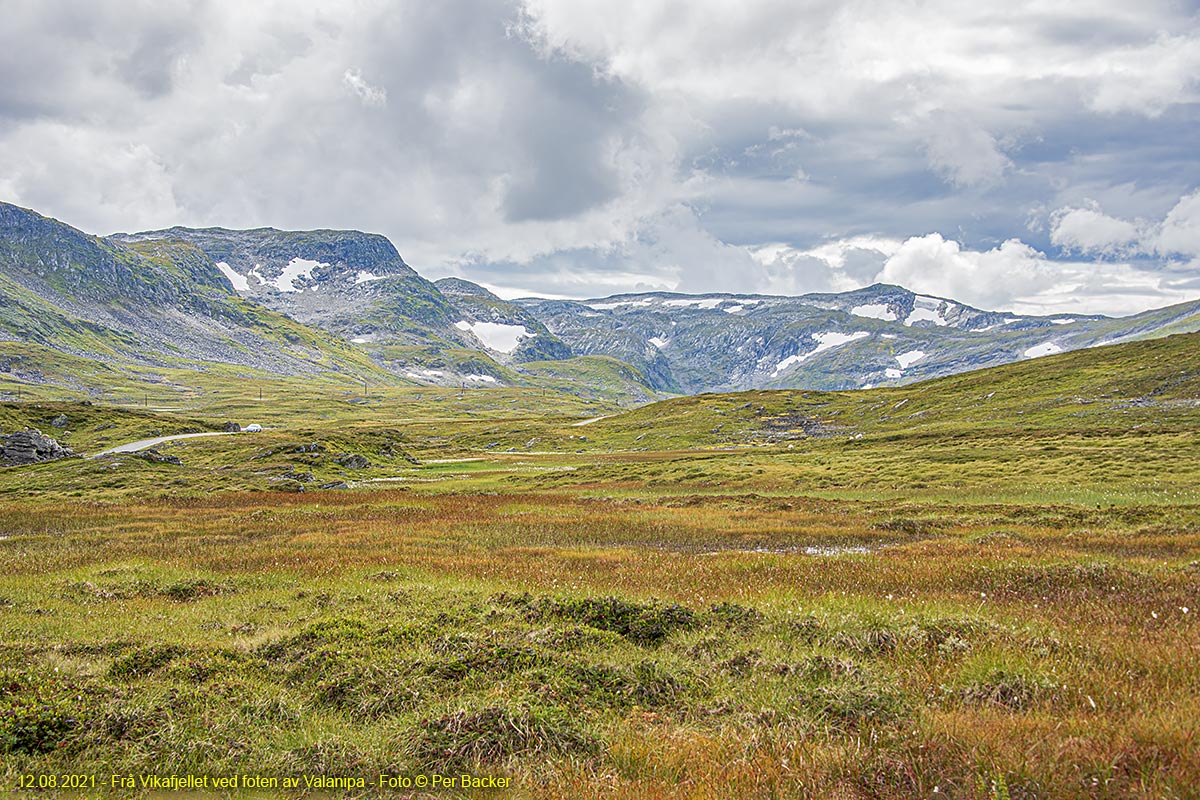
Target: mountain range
{"points": [[300, 302]]}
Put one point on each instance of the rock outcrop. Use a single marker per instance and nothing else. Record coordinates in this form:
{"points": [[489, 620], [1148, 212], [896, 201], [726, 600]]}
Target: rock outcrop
{"points": [[30, 447], [353, 461], [155, 457]]}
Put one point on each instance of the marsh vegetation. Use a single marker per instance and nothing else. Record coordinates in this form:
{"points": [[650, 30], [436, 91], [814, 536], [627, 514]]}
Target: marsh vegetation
{"points": [[932, 591]]}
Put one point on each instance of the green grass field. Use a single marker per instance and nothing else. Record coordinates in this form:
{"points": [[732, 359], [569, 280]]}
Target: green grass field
{"points": [[985, 586]]}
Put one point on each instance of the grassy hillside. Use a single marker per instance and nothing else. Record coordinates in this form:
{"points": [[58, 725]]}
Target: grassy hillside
{"points": [[1154, 382]]}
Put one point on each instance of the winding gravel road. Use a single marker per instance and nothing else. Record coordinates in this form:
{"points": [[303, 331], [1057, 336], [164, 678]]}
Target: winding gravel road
{"points": [[142, 444]]}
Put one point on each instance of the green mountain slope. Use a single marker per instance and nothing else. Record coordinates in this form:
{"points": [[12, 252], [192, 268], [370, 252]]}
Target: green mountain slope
{"points": [[351, 283], [145, 304], [1141, 385]]}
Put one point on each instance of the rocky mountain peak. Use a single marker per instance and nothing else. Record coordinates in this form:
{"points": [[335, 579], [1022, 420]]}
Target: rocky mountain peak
{"points": [[262, 261], [457, 287]]}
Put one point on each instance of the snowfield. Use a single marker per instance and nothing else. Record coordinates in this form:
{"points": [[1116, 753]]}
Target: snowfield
{"points": [[825, 341], [611, 306], [875, 311], [296, 268], [927, 309], [494, 335], [1046, 349], [239, 281], [706, 303]]}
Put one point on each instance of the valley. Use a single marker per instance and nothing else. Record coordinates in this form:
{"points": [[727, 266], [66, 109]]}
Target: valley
{"points": [[535, 400], [980, 586]]}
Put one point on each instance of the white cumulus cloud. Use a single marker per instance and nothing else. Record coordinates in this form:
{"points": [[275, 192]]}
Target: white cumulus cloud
{"points": [[934, 265], [1017, 277], [1090, 230], [1180, 231]]}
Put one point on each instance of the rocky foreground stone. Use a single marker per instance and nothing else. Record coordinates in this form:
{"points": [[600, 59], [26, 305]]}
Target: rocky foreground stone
{"points": [[30, 446]]}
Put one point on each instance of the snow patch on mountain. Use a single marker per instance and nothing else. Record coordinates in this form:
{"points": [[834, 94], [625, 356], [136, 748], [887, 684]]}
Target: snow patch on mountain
{"points": [[875, 311], [1045, 349], [239, 281], [658, 342], [892, 372], [494, 335], [825, 341], [927, 309], [618, 304], [296, 268], [365, 277], [906, 360], [702, 302]]}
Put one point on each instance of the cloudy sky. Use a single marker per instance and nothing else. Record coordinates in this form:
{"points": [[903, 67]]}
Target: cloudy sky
{"points": [[1038, 156]]}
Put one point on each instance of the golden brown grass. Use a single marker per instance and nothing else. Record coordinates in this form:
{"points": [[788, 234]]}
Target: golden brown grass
{"points": [[1032, 650]]}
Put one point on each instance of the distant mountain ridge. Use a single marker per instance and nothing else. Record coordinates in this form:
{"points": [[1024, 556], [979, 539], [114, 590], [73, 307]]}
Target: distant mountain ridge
{"points": [[297, 301], [284, 302], [879, 335]]}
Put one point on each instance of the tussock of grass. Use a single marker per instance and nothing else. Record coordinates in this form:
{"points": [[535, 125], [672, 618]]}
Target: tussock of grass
{"points": [[644, 623], [496, 734], [1014, 685], [143, 661]]}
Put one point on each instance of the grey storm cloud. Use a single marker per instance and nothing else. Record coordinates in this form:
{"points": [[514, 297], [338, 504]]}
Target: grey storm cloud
{"points": [[580, 147]]}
